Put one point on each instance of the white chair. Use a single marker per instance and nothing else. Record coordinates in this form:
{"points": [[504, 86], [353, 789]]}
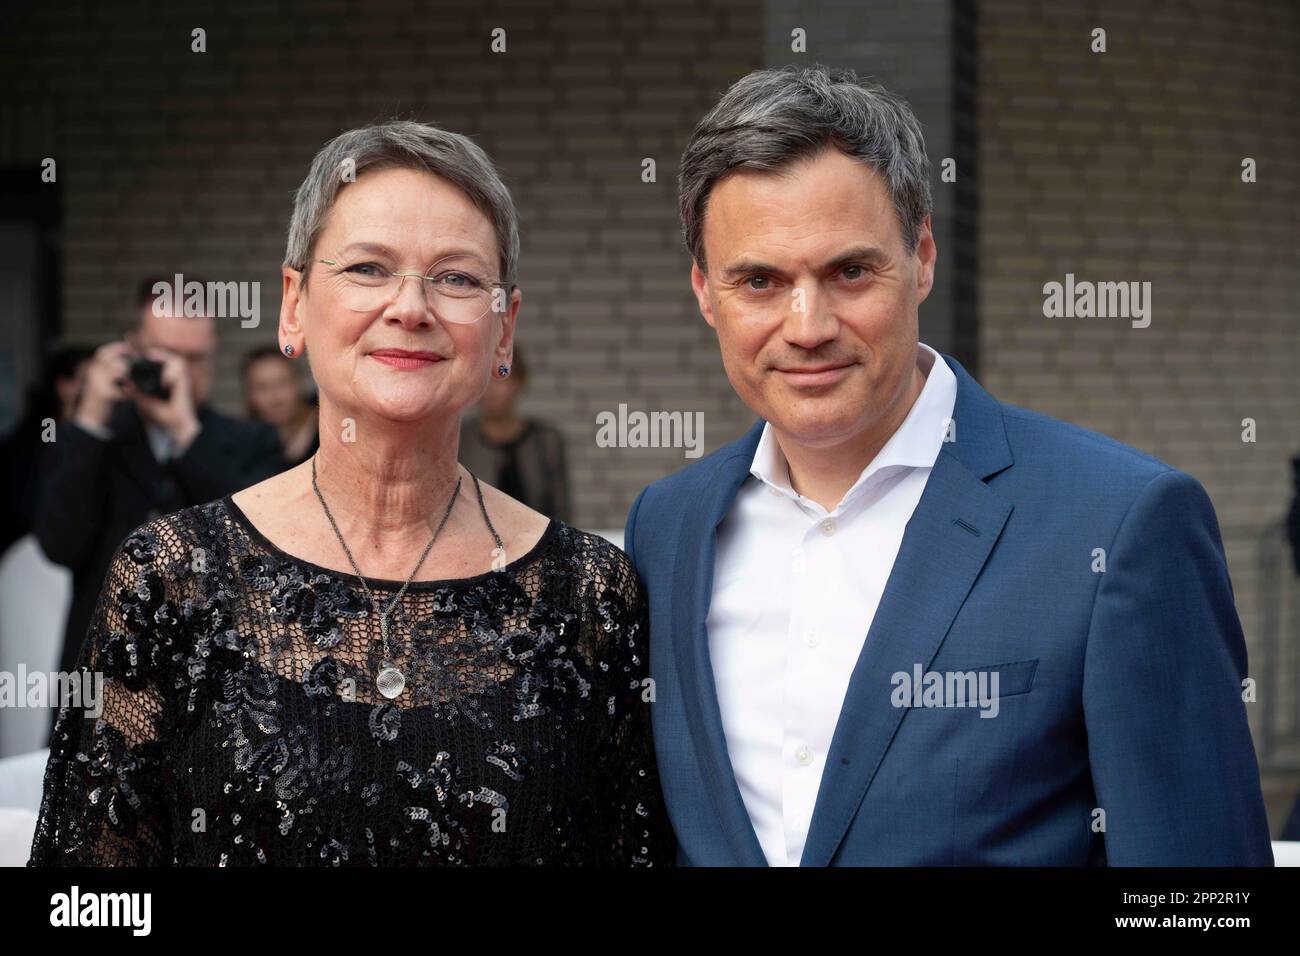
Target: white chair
{"points": [[17, 828], [22, 778], [21, 782], [1286, 853], [34, 598]]}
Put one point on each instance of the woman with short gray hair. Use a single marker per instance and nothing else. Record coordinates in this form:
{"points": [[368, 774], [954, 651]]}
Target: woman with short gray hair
{"points": [[372, 658]]}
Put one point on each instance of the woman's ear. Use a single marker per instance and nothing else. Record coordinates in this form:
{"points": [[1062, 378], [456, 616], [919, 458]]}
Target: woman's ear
{"points": [[292, 333], [505, 346]]}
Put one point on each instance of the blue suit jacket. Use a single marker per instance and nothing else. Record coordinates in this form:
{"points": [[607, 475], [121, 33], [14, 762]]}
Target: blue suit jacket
{"points": [[1119, 690]]}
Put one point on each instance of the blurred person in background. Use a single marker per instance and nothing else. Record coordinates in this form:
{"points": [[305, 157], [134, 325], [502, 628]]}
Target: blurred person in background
{"points": [[274, 392], [523, 457], [1293, 516], [53, 398], [127, 455], [1291, 829]]}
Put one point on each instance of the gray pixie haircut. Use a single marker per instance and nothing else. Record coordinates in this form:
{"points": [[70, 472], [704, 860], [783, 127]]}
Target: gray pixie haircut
{"points": [[772, 118], [402, 144]]}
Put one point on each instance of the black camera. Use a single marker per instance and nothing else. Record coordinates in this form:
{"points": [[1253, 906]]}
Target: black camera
{"points": [[146, 375]]}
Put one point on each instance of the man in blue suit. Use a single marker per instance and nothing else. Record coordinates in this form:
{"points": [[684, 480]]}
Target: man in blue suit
{"points": [[900, 622]]}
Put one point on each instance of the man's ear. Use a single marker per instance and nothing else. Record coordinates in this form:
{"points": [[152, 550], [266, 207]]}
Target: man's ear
{"points": [[926, 253], [700, 286]]}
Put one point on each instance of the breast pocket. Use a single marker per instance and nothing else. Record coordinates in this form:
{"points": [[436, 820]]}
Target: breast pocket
{"points": [[951, 689], [1015, 677]]}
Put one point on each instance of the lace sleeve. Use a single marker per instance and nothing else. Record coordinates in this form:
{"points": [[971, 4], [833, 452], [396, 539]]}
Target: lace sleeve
{"points": [[635, 827], [104, 800]]}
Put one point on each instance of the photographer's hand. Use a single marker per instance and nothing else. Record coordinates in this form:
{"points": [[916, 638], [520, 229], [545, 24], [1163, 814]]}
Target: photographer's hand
{"points": [[176, 413], [102, 388]]}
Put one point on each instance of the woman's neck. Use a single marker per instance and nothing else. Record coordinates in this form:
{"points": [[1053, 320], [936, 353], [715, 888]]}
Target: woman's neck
{"points": [[387, 481]]}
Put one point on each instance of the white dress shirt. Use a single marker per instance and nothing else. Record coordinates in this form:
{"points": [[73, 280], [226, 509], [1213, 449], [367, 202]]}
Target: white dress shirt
{"points": [[160, 442], [795, 589]]}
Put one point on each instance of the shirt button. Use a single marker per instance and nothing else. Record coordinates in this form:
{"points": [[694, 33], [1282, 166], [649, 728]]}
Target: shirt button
{"points": [[828, 526], [811, 639], [803, 755]]}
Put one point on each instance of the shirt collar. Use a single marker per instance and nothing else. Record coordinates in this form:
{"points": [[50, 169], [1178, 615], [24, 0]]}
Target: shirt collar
{"points": [[915, 444], [160, 440]]}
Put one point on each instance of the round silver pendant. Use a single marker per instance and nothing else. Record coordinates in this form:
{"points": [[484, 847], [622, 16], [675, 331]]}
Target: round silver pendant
{"points": [[390, 681]]}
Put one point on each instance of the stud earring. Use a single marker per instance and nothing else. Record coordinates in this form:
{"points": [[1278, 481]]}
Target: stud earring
{"points": [[288, 350], [503, 370]]}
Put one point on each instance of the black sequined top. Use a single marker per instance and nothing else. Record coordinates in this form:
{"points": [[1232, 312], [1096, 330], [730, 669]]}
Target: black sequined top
{"points": [[240, 723]]}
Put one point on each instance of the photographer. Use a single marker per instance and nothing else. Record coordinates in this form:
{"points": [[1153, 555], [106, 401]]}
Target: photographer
{"points": [[142, 442]]}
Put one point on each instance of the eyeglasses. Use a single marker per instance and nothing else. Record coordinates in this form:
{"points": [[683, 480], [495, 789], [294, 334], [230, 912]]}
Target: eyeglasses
{"points": [[456, 292]]}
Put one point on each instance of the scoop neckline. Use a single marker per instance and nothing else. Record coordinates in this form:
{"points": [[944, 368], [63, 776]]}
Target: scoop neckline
{"points": [[240, 518]]}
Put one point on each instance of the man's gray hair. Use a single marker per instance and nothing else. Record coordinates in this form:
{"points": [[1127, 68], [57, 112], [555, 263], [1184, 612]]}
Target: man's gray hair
{"points": [[402, 144], [772, 118]]}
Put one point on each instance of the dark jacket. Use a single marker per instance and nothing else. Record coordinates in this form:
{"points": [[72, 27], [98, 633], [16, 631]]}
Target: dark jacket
{"points": [[530, 469], [1293, 519], [21, 453], [94, 493]]}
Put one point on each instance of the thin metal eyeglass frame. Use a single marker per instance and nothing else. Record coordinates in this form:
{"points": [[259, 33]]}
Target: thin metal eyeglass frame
{"points": [[402, 276]]}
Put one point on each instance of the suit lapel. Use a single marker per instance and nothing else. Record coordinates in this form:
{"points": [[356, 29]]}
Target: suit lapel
{"points": [[948, 539], [692, 587]]}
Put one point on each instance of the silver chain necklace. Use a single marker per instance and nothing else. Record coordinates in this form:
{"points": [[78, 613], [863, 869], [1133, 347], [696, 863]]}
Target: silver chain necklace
{"points": [[390, 680]]}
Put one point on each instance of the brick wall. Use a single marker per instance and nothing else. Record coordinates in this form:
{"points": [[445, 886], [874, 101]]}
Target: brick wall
{"points": [[174, 160]]}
